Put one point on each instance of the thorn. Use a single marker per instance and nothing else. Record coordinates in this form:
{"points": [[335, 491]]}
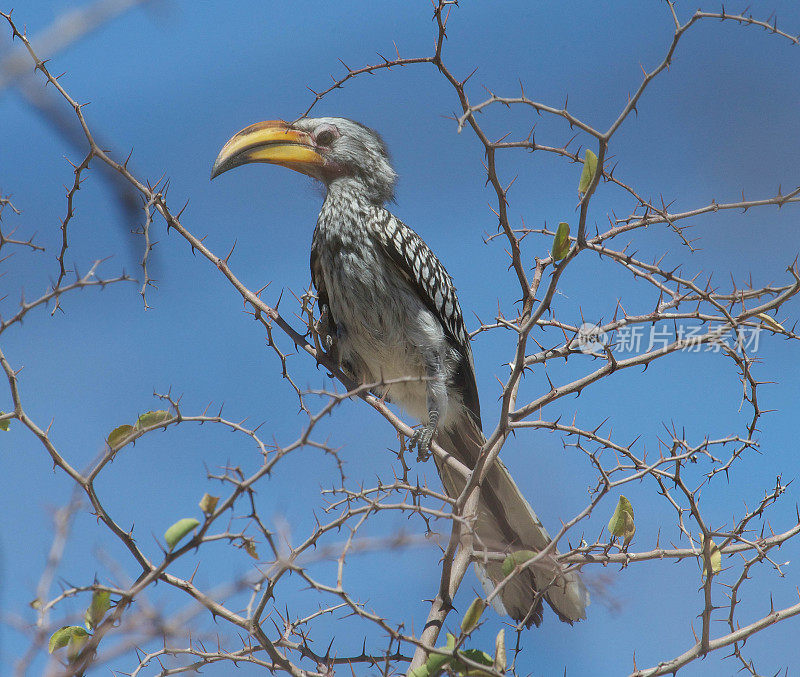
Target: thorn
{"points": [[464, 81], [230, 252]]}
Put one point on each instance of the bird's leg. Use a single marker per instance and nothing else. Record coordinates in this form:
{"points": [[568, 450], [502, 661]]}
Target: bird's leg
{"points": [[423, 436], [436, 394]]}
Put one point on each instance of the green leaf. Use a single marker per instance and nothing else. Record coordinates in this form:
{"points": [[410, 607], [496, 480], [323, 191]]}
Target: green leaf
{"points": [[64, 635], [515, 558], [422, 671], [621, 523], [589, 169], [436, 662], [152, 418], [101, 602], [60, 638], [177, 531], [473, 615], [715, 559], [120, 433], [4, 425], [477, 656], [432, 667], [500, 651], [561, 242], [208, 504], [76, 643]]}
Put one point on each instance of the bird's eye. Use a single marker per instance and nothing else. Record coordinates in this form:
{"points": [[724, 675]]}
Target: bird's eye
{"points": [[326, 135]]}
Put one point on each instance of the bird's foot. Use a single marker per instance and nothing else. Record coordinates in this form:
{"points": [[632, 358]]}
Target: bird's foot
{"points": [[421, 439]]}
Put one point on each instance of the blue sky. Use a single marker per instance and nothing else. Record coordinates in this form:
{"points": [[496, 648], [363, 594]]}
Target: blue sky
{"points": [[174, 80]]}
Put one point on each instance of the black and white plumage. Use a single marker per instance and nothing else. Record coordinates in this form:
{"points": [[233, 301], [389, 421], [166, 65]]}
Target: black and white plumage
{"points": [[392, 309], [391, 315]]}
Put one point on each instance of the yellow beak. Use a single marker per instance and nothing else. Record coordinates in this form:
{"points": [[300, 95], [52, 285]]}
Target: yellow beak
{"points": [[272, 141]]}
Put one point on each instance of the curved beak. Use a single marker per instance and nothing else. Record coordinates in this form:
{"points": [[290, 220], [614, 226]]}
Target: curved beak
{"points": [[272, 141]]}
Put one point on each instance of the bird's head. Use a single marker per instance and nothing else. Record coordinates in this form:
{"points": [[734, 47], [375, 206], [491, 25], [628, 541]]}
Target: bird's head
{"points": [[328, 149]]}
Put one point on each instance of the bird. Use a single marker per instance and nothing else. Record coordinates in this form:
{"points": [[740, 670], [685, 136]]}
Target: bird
{"points": [[389, 315]]}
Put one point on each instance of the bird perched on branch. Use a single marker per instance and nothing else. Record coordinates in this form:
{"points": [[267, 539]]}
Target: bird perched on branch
{"points": [[389, 311]]}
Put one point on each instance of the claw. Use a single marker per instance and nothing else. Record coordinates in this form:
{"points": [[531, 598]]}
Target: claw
{"points": [[421, 439]]}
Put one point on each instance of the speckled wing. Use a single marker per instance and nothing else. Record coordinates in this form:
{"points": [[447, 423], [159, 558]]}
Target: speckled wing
{"points": [[434, 286]]}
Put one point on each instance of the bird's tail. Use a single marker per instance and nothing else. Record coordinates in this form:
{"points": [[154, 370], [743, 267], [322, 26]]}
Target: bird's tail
{"points": [[506, 523]]}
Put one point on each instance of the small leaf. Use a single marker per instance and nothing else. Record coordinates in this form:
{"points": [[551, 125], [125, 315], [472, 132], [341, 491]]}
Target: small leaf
{"points": [[250, 547], [152, 418], [77, 642], [61, 637], [436, 662], [771, 323], [4, 425], [477, 656], [500, 651], [432, 667], [621, 523], [715, 562], [473, 615], [422, 671], [177, 531], [208, 504], [101, 602], [561, 242], [120, 433], [515, 558], [35, 603], [589, 169]]}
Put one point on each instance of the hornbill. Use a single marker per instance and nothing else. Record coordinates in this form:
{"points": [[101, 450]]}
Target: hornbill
{"points": [[389, 311]]}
